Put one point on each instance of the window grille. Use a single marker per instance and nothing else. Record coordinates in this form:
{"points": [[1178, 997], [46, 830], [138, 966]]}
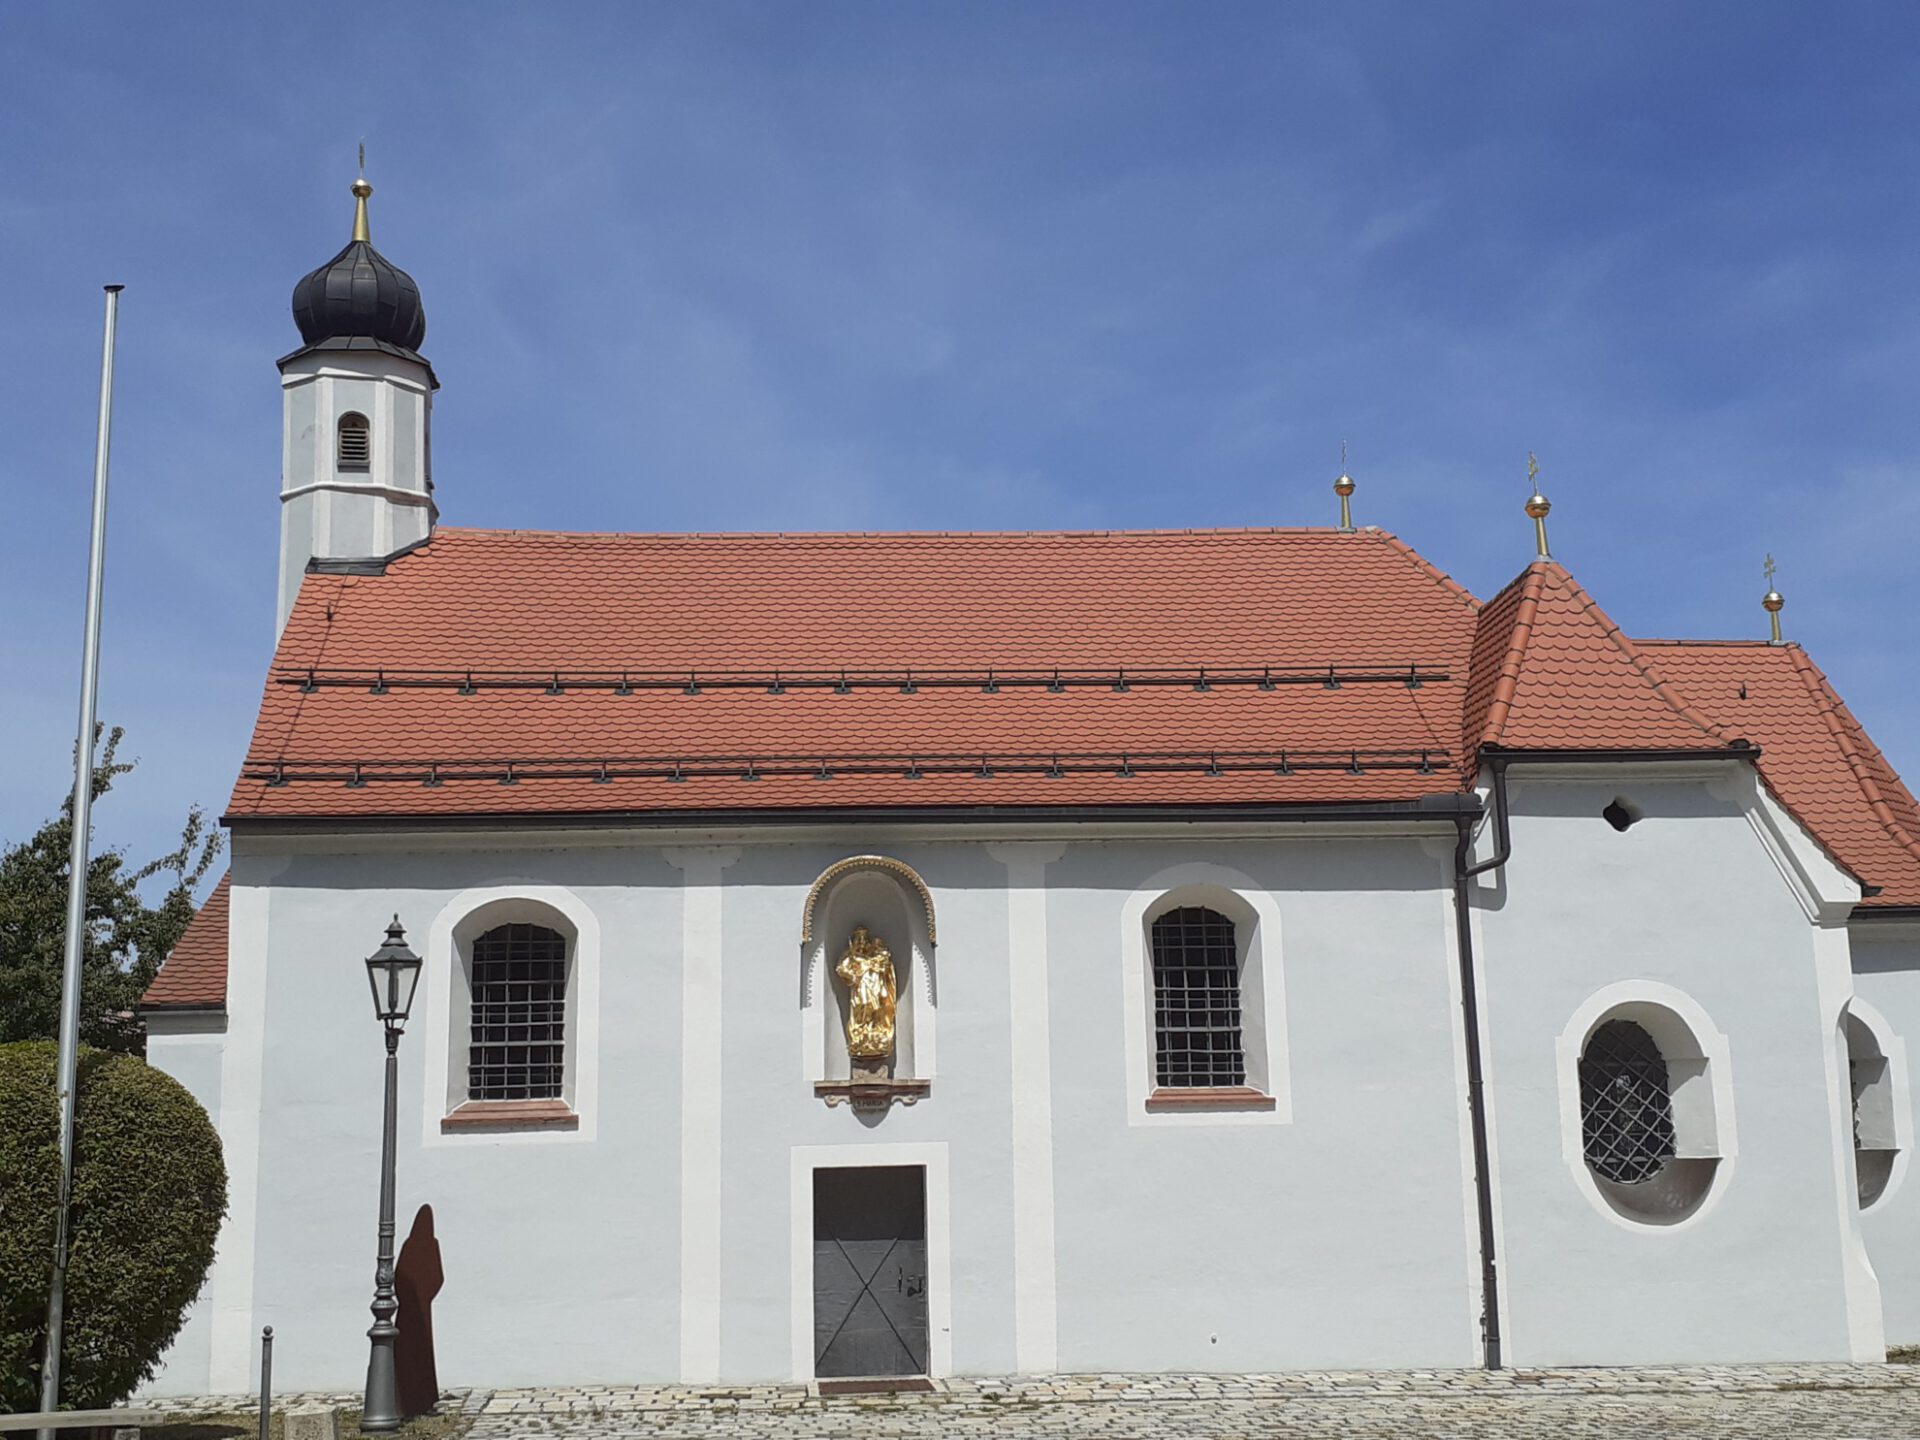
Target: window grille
{"points": [[1196, 999], [1626, 1104], [519, 1014], [1859, 1077], [356, 442]]}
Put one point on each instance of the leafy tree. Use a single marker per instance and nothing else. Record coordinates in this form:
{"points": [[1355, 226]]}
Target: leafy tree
{"points": [[126, 938]]}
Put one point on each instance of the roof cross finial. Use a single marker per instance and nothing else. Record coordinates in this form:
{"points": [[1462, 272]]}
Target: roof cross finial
{"points": [[1773, 602], [1343, 487], [361, 190], [1538, 506]]}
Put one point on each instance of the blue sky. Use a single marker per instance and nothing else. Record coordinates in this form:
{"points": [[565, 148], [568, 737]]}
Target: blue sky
{"points": [[817, 266]]}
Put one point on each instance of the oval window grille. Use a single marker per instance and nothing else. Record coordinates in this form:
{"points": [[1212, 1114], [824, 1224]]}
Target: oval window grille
{"points": [[356, 442], [1626, 1105]]}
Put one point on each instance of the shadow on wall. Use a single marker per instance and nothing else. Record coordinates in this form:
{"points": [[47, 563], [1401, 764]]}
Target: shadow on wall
{"points": [[417, 1278]]}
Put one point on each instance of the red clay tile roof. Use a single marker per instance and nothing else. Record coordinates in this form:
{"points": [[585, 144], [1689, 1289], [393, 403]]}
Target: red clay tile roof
{"points": [[537, 673], [795, 672], [1813, 753], [1551, 671], [194, 976], [529, 673]]}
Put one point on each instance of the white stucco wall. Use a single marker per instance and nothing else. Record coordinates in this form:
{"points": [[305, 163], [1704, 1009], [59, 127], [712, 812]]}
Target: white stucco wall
{"points": [[1688, 906], [1069, 1228], [1077, 1235], [1886, 975], [188, 1047]]}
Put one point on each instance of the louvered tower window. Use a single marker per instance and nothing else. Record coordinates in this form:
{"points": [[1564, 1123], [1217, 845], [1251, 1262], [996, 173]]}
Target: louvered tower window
{"points": [[518, 1051], [1196, 999], [356, 442], [1626, 1104]]}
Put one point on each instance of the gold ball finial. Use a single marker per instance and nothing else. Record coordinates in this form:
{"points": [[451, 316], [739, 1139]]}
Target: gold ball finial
{"points": [[1538, 507], [1344, 488], [1773, 602], [362, 188]]}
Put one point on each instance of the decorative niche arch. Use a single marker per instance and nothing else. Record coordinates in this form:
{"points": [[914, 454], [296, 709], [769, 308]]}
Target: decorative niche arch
{"points": [[889, 899], [887, 863]]}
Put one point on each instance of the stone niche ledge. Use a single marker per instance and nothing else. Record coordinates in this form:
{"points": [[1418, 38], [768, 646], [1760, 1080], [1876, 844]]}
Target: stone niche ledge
{"points": [[868, 1093], [511, 1115]]}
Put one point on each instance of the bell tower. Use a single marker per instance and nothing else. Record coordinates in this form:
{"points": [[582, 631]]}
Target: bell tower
{"points": [[356, 457]]}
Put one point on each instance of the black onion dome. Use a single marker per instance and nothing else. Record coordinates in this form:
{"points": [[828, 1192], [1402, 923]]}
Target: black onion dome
{"points": [[360, 294]]}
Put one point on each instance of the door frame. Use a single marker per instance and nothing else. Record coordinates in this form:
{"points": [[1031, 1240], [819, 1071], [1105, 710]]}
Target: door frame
{"points": [[931, 1158]]}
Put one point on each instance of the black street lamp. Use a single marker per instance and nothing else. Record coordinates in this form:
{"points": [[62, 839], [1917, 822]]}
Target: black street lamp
{"points": [[393, 970]]}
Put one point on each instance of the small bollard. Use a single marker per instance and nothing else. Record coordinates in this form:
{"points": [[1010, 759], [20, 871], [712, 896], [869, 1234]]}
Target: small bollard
{"points": [[266, 1383]]}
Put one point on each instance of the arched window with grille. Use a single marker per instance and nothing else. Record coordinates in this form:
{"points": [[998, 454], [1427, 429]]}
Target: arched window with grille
{"points": [[1649, 1088], [355, 446], [1626, 1104], [1196, 1000], [519, 1006]]}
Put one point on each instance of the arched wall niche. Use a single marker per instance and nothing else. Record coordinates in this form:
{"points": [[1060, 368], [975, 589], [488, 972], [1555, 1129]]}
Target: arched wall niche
{"points": [[891, 900], [1882, 1122]]}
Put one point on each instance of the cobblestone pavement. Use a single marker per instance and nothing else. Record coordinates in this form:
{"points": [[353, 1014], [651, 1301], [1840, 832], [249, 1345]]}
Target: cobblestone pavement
{"points": [[1805, 1402]]}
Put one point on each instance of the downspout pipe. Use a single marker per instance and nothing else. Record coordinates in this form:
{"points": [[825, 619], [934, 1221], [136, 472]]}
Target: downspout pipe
{"points": [[1463, 873]]}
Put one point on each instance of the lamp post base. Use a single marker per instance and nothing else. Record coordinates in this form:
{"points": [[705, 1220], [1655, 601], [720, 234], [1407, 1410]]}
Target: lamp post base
{"points": [[380, 1411]]}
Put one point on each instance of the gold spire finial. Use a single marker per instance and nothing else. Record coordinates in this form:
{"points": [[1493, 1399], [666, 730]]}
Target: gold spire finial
{"points": [[1343, 487], [1538, 506], [361, 190], [1773, 602]]}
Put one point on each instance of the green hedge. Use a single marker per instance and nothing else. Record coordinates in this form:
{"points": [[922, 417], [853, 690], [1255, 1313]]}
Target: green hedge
{"points": [[149, 1192]]}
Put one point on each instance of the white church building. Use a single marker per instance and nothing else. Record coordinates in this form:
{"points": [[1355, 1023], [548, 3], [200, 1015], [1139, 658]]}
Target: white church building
{"points": [[1274, 955]]}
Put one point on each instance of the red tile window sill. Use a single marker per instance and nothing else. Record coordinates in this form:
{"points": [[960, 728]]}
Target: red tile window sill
{"points": [[512, 1115], [1209, 1097]]}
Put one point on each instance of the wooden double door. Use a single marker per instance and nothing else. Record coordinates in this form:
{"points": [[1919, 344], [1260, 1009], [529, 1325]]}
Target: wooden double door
{"points": [[870, 1271]]}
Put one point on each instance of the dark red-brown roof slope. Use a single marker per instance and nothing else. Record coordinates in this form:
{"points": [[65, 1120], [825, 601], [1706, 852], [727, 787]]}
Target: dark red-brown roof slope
{"points": [[531, 672], [1814, 754], [194, 976], [1551, 671]]}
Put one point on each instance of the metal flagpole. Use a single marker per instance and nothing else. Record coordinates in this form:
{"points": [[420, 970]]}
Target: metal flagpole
{"points": [[77, 861]]}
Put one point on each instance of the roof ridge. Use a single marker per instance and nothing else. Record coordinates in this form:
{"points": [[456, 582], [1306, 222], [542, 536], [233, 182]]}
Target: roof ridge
{"points": [[1216, 532], [1831, 709], [1644, 641], [1433, 571], [1680, 705], [1530, 581]]}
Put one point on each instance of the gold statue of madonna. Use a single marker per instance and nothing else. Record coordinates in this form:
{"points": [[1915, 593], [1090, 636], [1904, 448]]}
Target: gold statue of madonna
{"points": [[867, 968]]}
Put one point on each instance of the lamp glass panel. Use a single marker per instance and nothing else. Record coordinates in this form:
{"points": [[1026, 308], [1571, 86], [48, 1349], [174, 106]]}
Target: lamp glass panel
{"points": [[405, 982]]}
